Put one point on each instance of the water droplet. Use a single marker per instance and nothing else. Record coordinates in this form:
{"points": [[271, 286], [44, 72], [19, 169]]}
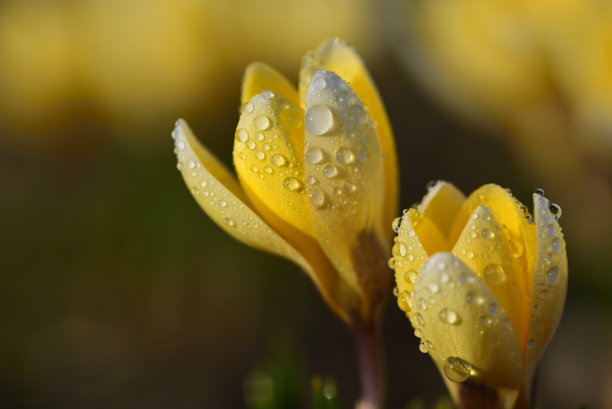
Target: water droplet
{"points": [[318, 83], [314, 155], [260, 155], [423, 304], [493, 309], [469, 298], [553, 275], [348, 188], [268, 170], [444, 277], [555, 245], [555, 210], [345, 156], [251, 144], [449, 316], [254, 169], [249, 107], [317, 198], [319, 119], [403, 301], [551, 229], [330, 171], [469, 255], [530, 343], [191, 164], [311, 180], [430, 185], [539, 192], [433, 287], [262, 122], [420, 319], [180, 145], [457, 369], [292, 184], [487, 234], [259, 136], [195, 191], [396, 223], [266, 146], [423, 347], [395, 292], [493, 273], [410, 276], [230, 222], [391, 263], [203, 183], [267, 94], [357, 112], [242, 135], [278, 160], [222, 203]]}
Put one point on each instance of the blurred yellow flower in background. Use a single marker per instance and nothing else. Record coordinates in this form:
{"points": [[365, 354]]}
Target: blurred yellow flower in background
{"points": [[538, 72], [134, 63], [484, 284], [317, 176]]}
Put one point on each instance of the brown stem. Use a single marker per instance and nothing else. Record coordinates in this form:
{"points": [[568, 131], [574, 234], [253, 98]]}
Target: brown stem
{"points": [[368, 345]]}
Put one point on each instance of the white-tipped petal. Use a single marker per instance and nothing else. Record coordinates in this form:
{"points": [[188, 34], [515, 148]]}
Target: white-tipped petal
{"points": [[457, 316], [344, 174], [549, 284]]}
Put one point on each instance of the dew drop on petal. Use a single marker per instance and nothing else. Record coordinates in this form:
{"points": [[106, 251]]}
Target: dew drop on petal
{"points": [[539, 192], [292, 184], [449, 316], [278, 160], [317, 198], [262, 122], [493, 273], [319, 119], [242, 135], [345, 156], [555, 245], [457, 369], [330, 171], [552, 276], [555, 210], [314, 155]]}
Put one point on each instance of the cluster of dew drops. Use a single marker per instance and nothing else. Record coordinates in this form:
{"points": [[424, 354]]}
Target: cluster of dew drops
{"points": [[457, 369]]}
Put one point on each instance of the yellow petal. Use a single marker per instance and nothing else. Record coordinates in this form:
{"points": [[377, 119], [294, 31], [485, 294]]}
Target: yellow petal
{"points": [[339, 57], [549, 285], [512, 216], [259, 77], [483, 247], [417, 238], [442, 204], [457, 316], [344, 174], [220, 196], [269, 160]]}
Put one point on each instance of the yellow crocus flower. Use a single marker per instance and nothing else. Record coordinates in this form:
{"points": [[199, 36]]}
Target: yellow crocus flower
{"points": [[484, 286], [317, 176]]}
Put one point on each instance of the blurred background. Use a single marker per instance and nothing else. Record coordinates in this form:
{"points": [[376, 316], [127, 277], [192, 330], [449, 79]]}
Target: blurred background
{"points": [[119, 292]]}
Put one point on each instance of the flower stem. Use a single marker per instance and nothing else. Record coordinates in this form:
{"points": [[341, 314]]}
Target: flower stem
{"points": [[368, 345]]}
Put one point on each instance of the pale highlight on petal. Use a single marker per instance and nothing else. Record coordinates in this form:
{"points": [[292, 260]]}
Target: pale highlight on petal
{"points": [[550, 285], [220, 196], [340, 58], [464, 327], [259, 77], [344, 171], [269, 160]]}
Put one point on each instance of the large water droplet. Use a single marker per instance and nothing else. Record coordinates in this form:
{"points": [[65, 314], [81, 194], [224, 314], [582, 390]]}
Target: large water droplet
{"points": [[249, 107], [262, 122], [278, 160], [345, 156], [449, 316], [319, 119], [555, 210], [457, 369], [348, 187], [317, 198], [318, 83], [487, 234], [493, 273], [242, 135], [251, 144], [260, 155], [230, 222], [552, 276], [403, 301], [539, 192], [555, 245], [396, 223], [314, 155], [330, 171], [292, 184]]}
